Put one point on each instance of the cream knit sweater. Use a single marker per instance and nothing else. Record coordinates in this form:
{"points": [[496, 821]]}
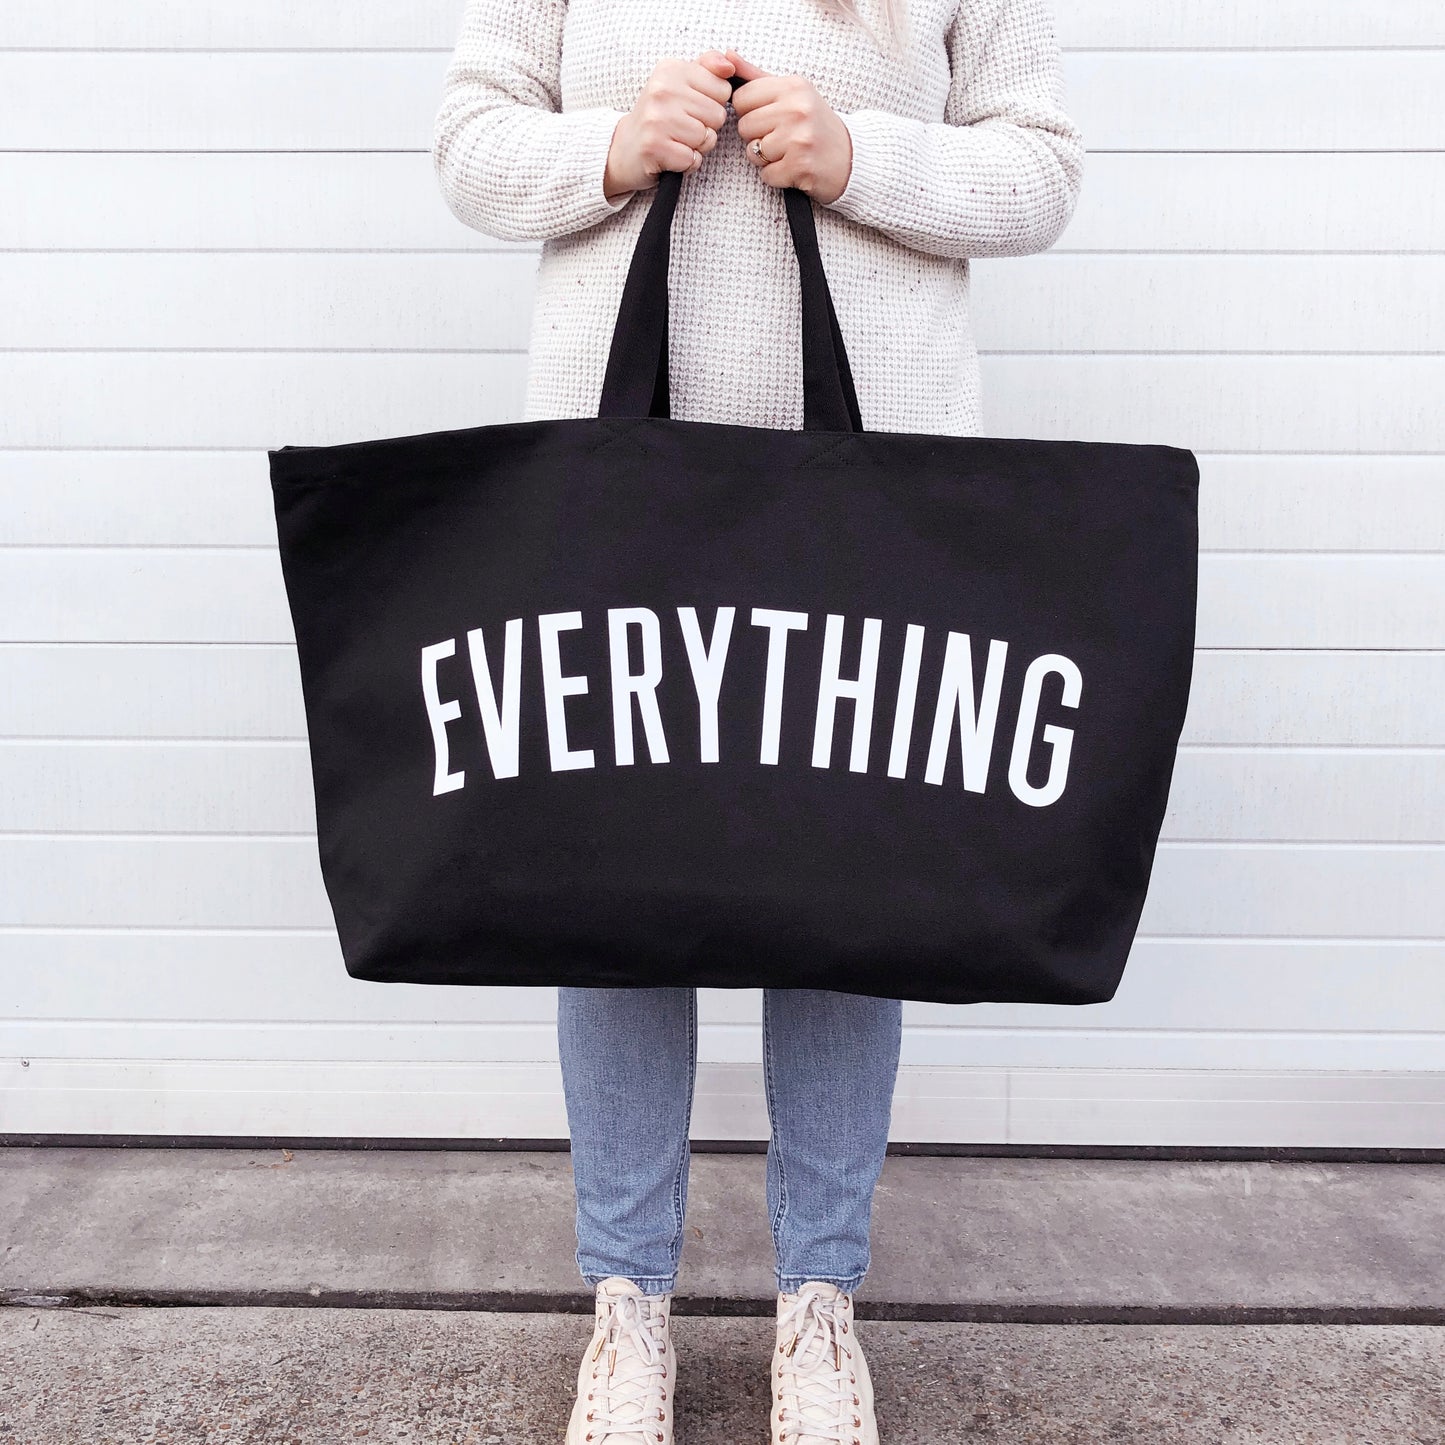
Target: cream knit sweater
{"points": [[961, 148]]}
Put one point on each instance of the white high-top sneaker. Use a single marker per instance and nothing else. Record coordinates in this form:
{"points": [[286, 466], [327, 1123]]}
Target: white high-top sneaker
{"points": [[626, 1379], [822, 1392]]}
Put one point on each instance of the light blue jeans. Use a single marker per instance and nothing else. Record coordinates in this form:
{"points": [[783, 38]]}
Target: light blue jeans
{"points": [[629, 1062]]}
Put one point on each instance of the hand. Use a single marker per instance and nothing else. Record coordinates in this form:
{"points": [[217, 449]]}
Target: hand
{"points": [[805, 143], [672, 125]]}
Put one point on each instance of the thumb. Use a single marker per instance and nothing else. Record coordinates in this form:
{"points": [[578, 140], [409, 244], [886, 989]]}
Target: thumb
{"points": [[716, 62], [744, 68]]}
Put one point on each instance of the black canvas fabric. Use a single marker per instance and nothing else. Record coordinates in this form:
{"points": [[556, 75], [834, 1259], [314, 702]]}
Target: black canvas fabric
{"points": [[577, 810]]}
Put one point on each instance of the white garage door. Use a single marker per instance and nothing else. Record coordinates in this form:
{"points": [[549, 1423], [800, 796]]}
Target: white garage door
{"points": [[228, 235]]}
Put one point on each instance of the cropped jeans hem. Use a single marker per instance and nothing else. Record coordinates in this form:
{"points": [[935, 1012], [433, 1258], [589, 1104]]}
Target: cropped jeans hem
{"points": [[792, 1283], [648, 1283]]}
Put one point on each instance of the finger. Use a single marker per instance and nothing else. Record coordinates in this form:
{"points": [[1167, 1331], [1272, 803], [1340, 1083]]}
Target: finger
{"points": [[712, 113], [699, 134], [763, 121], [745, 68], [775, 173], [762, 91], [718, 61], [709, 82], [678, 156]]}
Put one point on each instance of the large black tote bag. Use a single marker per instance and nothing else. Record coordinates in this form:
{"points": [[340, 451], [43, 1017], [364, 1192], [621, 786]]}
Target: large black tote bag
{"points": [[632, 700]]}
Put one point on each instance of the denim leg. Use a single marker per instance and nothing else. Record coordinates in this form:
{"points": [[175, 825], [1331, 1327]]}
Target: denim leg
{"points": [[830, 1061], [629, 1062]]}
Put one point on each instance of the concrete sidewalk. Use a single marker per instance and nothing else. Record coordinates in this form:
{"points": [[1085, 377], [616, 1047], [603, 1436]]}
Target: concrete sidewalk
{"points": [[430, 1296], [1018, 1239], [323, 1376]]}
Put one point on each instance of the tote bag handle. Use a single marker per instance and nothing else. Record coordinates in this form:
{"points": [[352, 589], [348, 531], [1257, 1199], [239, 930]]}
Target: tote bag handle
{"points": [[636, 381]]}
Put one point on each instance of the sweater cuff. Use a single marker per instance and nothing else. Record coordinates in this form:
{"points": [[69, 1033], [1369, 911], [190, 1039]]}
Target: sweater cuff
{"points": [[594, 126], [872, 194]]}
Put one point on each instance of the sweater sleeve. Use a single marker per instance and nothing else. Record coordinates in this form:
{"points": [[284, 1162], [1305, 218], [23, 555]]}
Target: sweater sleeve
{"points": [[511, 162], [1000, 174]]}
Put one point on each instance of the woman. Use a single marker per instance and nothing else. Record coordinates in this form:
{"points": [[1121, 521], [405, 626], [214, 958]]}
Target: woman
{"points": [[923, 140]]}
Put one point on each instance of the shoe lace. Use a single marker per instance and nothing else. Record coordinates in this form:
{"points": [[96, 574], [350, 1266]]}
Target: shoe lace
{"points": [[816, 1392], [625, 1399]]}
